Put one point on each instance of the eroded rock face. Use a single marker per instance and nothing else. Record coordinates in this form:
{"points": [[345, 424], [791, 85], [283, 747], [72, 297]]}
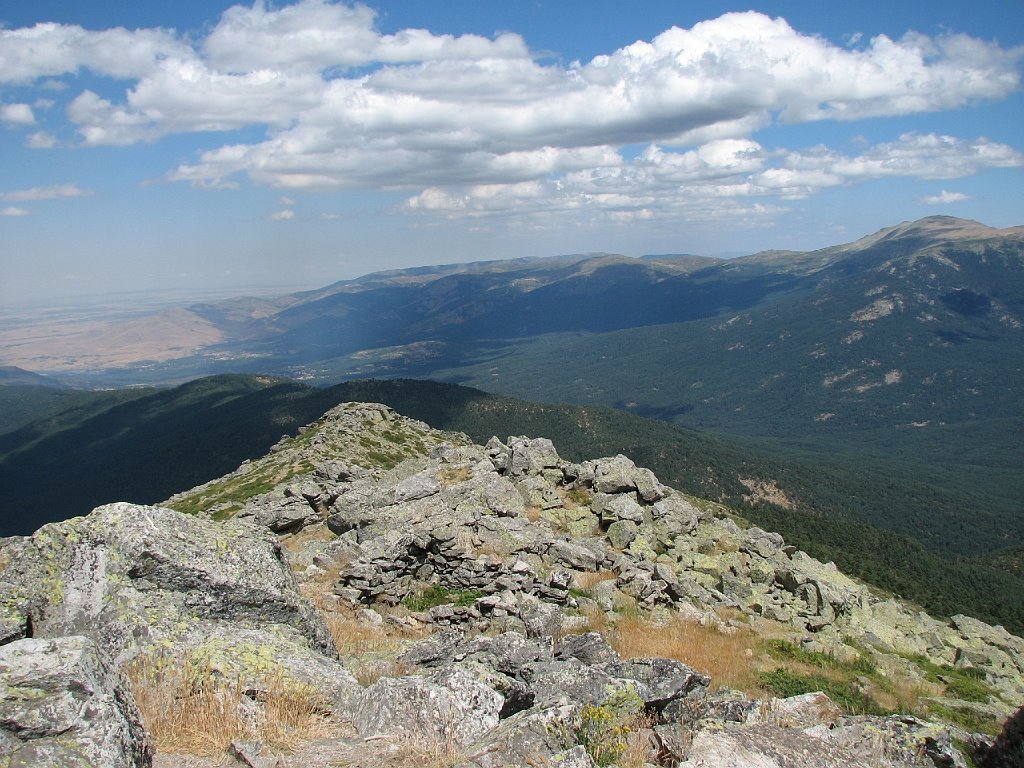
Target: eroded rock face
{"points": [[140, 580], [450, 705], [64, 707]]}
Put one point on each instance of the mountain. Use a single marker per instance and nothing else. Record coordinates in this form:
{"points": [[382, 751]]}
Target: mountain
{"points": [[12, 375], [373, 591], [157, 443], [884, 375]]}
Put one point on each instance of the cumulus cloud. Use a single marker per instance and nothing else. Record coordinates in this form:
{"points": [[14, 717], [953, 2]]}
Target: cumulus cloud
{"points": [[17, 114], [13, 211], [717, 180], [472, 124], [284, 215], [41, 140], [944, 198], [54, 192], [51, 50]]}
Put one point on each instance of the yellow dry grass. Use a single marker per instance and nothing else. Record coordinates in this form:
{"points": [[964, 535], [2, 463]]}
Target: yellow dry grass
{"points": [[728, 658], [449, 475], [422, 752], [188, 709], [587, 580], [296, 542]]}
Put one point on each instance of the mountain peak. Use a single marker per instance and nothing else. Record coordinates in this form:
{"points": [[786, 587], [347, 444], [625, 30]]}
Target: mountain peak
{"points": [[936, 229]]}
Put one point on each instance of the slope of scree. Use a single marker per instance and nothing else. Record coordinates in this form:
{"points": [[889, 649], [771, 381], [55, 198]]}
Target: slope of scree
{"points": [[377, 593]]}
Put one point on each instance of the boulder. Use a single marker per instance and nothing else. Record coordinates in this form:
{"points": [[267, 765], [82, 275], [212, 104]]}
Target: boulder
{"points": [[64, 707], [152, 581], [449, 706], [540, 736]]}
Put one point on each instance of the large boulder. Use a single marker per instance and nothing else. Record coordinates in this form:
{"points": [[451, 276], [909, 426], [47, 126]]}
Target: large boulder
{"points": [[148, 580], [450, 706], [63, 707]]}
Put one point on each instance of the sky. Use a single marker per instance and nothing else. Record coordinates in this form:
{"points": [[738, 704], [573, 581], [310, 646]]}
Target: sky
{"points": [[153, 147]]}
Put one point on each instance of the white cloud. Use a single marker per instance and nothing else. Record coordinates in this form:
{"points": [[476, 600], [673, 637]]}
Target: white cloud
{"points": [[13, 211], [41, 140], [17, 114], [944, 198], [54, 192], [714, 181], [285, 215], [51, 50], [475, 126]]}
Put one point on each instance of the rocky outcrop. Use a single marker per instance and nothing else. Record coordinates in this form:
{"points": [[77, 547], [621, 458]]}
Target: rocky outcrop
{"points": [[133, 582], [504, 553], [63, 705]]}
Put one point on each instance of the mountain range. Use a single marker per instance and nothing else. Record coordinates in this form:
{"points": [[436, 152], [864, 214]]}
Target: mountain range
{"points": [[874, 385]]}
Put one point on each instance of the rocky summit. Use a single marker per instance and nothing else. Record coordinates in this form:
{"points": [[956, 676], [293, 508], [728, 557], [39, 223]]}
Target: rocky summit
{"points": [[377, 593]]}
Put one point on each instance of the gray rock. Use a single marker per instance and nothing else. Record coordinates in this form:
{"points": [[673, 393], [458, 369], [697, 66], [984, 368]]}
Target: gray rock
{"points": [[541, 736], [614, 475], [659, 681], [590, 648], [248, 754], [63, 707], [541, 619], [450, 705], [531, 456]]}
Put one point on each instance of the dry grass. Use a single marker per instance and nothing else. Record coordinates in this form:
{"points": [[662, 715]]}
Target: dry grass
{"points": [[728, 658], [903, 694], [422, 752], [188, 709], [297, 542], [453, 475], [587, 580], [533, 514]]}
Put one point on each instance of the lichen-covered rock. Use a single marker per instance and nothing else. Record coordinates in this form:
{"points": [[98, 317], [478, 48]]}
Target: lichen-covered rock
{"points": [[155, 582], [849, 743], [449, 706], [127, 573], [63, 707], [534, 737]]}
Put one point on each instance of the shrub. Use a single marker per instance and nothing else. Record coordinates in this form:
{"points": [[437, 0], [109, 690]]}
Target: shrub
{"points": [[604, 729]]}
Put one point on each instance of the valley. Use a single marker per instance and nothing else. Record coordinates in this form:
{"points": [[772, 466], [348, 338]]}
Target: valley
{"points": [[863, 399]]}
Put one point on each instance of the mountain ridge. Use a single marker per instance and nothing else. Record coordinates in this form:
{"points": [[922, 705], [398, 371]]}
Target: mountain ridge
{"points": [[400, 583]]}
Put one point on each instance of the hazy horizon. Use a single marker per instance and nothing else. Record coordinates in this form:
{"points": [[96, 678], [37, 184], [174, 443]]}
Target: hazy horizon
{"points": [[207, 146]]}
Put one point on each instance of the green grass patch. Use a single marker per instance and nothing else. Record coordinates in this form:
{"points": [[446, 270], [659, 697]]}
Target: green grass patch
{"points": [[965, 683], [782, 649], [967, 718], [844, 693], [438, 594]]}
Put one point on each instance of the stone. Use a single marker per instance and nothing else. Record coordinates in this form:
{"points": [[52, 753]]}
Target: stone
{"points": [[590, 648], [450, 705], [805, 710], [64, 707], [621, 533], [531, 456], [539, 736], [658, 681], [614, 475], [248, 754]]}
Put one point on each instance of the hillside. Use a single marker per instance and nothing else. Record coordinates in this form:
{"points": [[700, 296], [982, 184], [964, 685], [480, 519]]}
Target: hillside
{"points": [[156, 444], [376, 592], [896, 360]]}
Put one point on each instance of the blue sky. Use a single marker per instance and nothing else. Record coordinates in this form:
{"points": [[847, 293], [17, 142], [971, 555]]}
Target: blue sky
{"points": [[169, 146]]}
